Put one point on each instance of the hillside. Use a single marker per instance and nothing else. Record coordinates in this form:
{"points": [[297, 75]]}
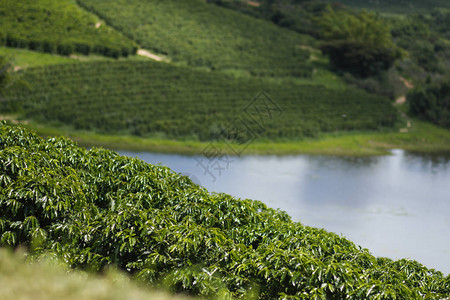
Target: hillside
{"points": [[369, 49], [58, 27], [198, 34], [93, 208], [156, 99], [218, 60]]}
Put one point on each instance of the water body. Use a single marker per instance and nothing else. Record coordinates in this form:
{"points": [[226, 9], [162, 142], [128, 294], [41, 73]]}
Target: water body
{"points": [[397, 206]]}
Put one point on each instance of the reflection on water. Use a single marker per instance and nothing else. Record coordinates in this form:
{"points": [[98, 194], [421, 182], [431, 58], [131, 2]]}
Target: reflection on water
{"points": [[396, 206], [429, 162]]}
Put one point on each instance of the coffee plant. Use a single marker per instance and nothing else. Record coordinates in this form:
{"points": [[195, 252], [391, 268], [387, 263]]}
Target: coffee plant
{"points": [[94, 208], [204, 35], [59, 27], [151, 98]]}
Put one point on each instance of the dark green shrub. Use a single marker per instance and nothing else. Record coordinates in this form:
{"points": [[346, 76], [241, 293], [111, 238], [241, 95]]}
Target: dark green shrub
{"points": [[64, 49], [359, 59], [432, 103], [84, 49]]}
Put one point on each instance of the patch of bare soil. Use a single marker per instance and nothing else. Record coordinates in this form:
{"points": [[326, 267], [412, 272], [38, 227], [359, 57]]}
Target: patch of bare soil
{"points": [[400, 100], [12, 119], [407, 83], [309, 48], [253, 3], [146, 53]]}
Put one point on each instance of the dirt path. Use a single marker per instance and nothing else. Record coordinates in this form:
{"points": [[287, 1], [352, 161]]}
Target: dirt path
{"points": [[407, 83], [402, 100], [141, 52], [253, 3], [146, 53]]}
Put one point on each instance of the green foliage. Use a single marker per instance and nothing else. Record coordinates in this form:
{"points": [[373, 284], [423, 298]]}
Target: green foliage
{"points": [[426, 40], [58, 27], [441, 21], [432, 102], [358, 43], [209, 36], [4, 72], [358, 58], [93, 208], [296, 15], [150, 98], [359, 28]]}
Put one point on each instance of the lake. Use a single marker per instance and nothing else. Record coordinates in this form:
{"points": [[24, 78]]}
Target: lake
{"points": [[397, 206]]}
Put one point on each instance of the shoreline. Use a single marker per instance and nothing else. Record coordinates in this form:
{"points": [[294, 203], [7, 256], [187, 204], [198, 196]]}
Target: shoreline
{"points": [[424, 137]]}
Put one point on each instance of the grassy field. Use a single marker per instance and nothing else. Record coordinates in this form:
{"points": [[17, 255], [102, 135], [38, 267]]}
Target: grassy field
{"points": [[153, 99], [23, 58], [422, 137]]}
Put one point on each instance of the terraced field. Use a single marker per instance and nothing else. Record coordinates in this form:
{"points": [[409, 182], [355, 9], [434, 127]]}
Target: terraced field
{"points": [[205, 35], [58, 27], [402, 6], [151, 98]]}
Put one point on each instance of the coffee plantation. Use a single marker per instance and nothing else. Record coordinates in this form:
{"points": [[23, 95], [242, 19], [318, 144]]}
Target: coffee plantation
{"points": [[59, 27], [204, 35], [94, 208], [151, 98]]}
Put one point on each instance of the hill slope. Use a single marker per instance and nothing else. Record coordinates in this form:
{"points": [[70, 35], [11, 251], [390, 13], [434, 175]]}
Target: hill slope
{"points": [[148, 98], [206, 35], [58, 27]]}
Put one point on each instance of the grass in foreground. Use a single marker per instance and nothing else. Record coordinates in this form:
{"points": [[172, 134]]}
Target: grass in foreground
{"points": [[50, 279]]}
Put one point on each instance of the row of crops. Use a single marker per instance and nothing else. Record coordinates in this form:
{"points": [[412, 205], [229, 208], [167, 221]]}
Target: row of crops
{"points": [[144, 98], [93, 208], [59, 27], [206, 35], [402, 6]]}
